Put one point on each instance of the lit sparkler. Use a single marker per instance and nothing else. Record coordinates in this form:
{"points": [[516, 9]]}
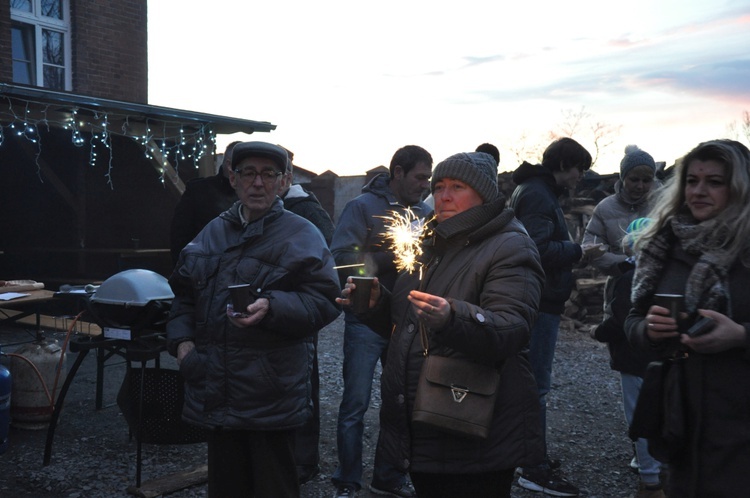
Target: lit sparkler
{"points": [[349, 266], [405, 233]]}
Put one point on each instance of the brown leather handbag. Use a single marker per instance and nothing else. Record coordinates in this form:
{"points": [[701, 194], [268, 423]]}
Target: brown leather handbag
{"points": [[455, 395]]}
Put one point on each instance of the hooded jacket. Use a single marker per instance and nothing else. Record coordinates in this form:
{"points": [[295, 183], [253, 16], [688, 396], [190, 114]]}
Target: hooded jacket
{"points": [[359, 236], [305, 204], [535, 203], [255, 378], [484, 263]]}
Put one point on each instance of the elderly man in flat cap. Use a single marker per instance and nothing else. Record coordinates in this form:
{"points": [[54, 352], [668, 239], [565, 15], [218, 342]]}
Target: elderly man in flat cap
{"points": [[247, 371]]}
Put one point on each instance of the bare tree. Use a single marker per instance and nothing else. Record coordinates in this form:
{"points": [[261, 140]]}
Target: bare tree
{"points": [[527, 148], [578, 124], [741, 130], [572, 122], [603, 135]]}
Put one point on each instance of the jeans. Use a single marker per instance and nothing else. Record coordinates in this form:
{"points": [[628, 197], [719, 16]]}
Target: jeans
{"points": [[648, 466], [362, 350], [541, 355]]}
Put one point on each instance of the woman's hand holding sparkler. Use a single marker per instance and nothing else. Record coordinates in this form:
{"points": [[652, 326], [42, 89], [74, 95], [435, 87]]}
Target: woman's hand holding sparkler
{"points": [[434, 311]]}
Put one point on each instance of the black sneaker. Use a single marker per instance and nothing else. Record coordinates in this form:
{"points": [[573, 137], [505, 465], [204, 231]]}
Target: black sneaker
{"points": [[547, 481], [405, 490], [345, 492]]}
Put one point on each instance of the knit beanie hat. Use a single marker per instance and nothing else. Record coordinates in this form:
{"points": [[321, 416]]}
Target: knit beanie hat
{"points": [[476, 169], [635, 157]]}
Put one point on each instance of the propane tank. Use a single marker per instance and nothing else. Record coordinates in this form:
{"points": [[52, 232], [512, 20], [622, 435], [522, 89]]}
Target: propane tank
{"points": [[31, 407], [5, 388]]}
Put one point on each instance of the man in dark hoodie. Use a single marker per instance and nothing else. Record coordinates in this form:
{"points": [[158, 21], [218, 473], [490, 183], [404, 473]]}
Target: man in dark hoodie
{"points": [[304, 203], [536, 203], [359, 243]]}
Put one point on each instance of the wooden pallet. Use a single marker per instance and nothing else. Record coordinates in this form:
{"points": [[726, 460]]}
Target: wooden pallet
{"points": [[171, 483]]}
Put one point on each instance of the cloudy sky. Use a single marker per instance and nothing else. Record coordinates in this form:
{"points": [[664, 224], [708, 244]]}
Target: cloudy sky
{"points": [[347, 83]]}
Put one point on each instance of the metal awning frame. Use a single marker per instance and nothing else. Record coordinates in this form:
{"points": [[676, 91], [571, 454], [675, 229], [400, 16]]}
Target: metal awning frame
{"points": [[160, 130]]}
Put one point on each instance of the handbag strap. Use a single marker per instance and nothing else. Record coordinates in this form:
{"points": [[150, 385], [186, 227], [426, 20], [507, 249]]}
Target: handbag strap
{"points": [[423, 339]]}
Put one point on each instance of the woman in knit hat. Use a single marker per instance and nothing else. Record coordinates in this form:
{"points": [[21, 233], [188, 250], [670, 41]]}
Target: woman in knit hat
{"points": [[602, 243], [476, 298], [611, 217]]}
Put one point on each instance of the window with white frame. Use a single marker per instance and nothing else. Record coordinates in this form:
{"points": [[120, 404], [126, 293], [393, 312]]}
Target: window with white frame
{"points": [[41, 43]]}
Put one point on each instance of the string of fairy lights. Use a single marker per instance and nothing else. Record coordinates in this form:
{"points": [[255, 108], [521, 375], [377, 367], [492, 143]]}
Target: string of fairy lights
{"points": [[93, 128]]}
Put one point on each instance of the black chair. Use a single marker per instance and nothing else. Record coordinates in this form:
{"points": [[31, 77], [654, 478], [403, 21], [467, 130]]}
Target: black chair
{"points": [[151, 401]]}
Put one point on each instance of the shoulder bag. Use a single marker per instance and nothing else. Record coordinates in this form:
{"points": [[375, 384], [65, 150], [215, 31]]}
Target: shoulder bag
{"points": [[455, 395], [660, 413]]}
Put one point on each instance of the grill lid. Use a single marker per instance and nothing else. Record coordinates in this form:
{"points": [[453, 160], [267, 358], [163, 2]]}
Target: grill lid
{"points": [[133, 288]]}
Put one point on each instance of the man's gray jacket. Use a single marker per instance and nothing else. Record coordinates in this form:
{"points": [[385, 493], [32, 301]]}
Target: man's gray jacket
{"points": [[255, 378]]}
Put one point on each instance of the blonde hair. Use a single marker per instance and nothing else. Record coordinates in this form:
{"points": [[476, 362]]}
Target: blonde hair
{"points": [[730, 229]]}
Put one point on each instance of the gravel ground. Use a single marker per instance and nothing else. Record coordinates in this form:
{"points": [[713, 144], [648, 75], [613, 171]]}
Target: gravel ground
{"points": [[93, 455]]}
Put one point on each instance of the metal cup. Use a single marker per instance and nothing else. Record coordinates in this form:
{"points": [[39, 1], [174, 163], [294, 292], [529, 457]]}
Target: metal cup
{"points": [[673, 302], [360, 296]]}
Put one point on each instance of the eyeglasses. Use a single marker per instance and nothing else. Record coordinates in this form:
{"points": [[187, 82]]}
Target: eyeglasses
{"points": [[248, 175]]}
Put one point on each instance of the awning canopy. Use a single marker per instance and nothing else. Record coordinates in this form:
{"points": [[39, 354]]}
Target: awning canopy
{"points": [[43, 106], [167, 136]]}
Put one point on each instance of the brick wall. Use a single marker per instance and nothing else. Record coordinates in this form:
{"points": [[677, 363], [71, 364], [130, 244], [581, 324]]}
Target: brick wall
{"points": [[109, 43], [110, 49], [6, 68]]}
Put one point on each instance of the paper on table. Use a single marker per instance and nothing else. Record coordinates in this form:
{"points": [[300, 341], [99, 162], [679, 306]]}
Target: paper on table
{"points": [[7, 296], [20, 285]]}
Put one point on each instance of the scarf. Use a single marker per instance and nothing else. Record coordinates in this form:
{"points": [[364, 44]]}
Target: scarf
{"points": [[707, 286]]}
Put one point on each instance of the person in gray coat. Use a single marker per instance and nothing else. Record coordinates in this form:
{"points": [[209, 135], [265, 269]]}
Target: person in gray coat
{"points": [[478, 297], [602, 243], [247, 371]]}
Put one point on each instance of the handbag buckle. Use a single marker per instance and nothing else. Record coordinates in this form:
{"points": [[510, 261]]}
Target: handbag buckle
{"points": [[459, 393]]}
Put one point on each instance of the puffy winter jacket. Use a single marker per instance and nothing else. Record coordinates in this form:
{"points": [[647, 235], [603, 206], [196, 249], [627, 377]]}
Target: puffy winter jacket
{"points": [[607, 226], [258, 377], [484, 263]]}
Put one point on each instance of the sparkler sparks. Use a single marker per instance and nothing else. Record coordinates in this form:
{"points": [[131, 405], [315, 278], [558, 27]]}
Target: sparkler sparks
{"points": [[405, 233]]}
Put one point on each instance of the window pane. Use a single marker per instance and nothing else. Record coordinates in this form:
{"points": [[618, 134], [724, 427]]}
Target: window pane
{"points": [[52, 48], [54, 77], [52, 8], [20, 43], [22, 73], [23, 54], [22, 5]]}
